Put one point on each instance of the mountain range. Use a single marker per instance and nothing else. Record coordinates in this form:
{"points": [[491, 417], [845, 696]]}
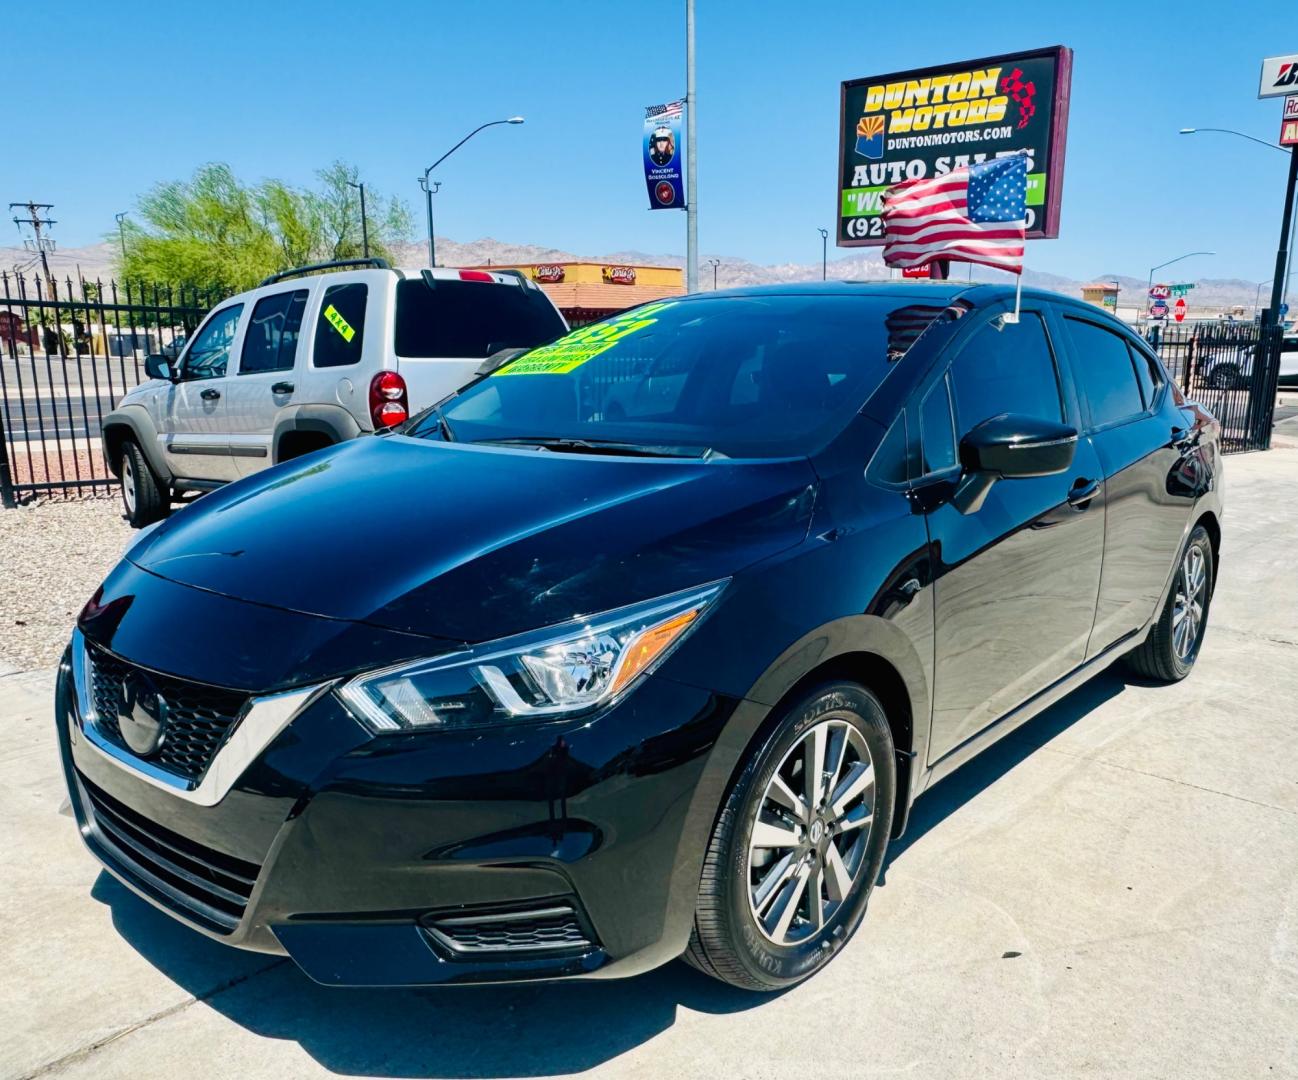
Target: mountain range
{"points": [[1210, 295]]}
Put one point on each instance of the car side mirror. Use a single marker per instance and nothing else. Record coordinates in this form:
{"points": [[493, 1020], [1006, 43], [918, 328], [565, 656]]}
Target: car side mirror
{"points": [[158, 366], [1010, 447]]}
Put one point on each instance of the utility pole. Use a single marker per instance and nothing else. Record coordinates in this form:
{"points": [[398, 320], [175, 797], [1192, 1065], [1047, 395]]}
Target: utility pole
{"points": [[691, 159], [121, 233], [365, 229], [431, 188], [824, 253], [42, 245]]}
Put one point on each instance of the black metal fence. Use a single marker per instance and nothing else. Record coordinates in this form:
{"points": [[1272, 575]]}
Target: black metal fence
{"points": [[68, 352], [1232, 369]]}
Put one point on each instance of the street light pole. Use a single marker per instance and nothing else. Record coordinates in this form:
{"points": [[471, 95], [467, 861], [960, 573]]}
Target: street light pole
{"points": [[365, 229], [714, 263], [428, 190], [121, 233], [1282, 252], [691, 160], [1272, 316], [824, 253]]}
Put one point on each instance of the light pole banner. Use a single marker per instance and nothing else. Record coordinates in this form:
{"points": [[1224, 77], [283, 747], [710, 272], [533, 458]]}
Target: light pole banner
{"points": [[664, 156]]}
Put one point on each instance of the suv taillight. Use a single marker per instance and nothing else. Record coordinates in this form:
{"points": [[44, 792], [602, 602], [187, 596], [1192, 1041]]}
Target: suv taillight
{"points": [[389, 405]]}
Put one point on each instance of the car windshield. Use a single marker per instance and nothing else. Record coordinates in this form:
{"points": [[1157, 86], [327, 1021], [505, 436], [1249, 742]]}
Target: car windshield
{"points": [[747, 376]]}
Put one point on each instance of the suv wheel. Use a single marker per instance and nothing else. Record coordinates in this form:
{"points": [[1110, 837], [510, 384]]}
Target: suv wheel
{"points": [[1225, 377], [1172, 647], [799, 843], [144, 498]]}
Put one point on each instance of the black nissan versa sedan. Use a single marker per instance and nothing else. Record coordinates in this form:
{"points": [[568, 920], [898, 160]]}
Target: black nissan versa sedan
{"points": [[644, 642]]}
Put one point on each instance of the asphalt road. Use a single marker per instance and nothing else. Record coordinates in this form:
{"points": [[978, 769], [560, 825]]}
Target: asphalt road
{"points": [[1111, 891]]}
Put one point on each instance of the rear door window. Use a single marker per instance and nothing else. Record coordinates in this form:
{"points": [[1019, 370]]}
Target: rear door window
{"points": [[471, 319], [1105, 373], [270, 342], [340, 329]]}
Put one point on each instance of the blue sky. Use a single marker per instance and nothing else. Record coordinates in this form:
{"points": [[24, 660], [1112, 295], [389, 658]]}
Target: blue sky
{"points": [[138, 93]]}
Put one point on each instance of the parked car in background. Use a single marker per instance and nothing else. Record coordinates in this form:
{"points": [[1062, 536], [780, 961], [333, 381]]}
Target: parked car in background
{"points": [[533, 687], [312, 357], [1232, 371]]}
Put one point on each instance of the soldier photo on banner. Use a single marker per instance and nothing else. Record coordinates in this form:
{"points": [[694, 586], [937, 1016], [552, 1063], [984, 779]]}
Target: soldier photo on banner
{"points": [[664, 156]]}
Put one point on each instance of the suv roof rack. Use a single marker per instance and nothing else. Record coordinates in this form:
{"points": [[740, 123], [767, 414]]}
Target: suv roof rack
{"points": [[373, 262]]}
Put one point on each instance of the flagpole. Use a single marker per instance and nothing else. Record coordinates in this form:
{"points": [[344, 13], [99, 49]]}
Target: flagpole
{"points": [[1018, 295]]}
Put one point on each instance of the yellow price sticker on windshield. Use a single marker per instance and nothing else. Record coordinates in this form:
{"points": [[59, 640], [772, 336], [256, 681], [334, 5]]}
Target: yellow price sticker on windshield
{"points": [[571, 351], [339, 323]]}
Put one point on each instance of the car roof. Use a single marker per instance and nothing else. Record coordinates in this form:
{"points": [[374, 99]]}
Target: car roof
{"points": [[977, 294]]}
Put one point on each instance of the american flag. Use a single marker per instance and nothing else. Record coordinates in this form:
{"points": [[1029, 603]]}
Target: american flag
{"points": [[976, 213]]}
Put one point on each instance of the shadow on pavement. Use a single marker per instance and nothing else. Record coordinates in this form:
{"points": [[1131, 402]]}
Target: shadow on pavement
{"points": [[537, 1030]]}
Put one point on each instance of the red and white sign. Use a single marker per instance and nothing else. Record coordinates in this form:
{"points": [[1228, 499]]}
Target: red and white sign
{"points": [[1178, 310], [619, 275], [1289, 132], [924, 271], [548, 272], [1160, 292], [1291, 107]]}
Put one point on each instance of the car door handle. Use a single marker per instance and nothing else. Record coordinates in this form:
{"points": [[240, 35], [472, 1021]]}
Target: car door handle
{"points": [[282, 388], [1082, 492], [209, 394]]}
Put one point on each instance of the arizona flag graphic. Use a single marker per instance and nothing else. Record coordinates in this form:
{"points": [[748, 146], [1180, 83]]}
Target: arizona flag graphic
{"points": [[869, 137]]}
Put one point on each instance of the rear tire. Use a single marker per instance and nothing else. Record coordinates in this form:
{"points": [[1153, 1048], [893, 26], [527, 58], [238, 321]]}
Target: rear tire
{"points": [[145, 498], [1169, 653], [817, 841], [1225, 377]]}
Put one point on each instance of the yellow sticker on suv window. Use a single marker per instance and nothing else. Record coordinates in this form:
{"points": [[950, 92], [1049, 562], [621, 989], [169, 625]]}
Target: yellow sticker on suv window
{"points": [[571, 351], [339, 323]]}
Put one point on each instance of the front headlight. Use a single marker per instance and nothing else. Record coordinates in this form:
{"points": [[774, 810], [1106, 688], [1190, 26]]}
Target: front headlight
{"points": [[559, 671]]}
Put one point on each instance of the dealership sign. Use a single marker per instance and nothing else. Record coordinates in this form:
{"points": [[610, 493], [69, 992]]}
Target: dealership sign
{"points": [[1279, 76], [926, 122]]}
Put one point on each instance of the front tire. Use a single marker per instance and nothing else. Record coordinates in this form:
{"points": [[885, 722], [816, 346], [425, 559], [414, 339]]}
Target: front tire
{"points": [[144, 497], [1169, 653], [799, 843]]}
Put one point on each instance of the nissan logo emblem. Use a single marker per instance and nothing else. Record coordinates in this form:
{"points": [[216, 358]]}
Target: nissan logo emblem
{"points": [[141, 714]]}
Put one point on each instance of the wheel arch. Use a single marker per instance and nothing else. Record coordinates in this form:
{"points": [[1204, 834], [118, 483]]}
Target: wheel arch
{"points": [[1212, 526], [865, 649], [132, 422], [331, 422]]}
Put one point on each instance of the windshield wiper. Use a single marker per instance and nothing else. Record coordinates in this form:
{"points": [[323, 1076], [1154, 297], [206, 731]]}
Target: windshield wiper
{"points": [[603, 446]]}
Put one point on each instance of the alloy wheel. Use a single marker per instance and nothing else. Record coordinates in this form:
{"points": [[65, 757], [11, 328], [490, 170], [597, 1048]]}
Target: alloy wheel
{"points": [[128, 484], [811, 832], [1187, 606]]}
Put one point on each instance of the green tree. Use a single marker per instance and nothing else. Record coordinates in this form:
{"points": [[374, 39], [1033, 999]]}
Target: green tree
{"points": [[213, 232]]}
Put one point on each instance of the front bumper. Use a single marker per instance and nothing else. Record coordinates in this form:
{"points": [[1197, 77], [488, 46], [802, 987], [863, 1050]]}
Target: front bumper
{"points": [[521, 852]]}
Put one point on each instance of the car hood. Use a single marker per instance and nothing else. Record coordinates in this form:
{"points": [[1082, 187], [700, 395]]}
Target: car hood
{"points": [[475, 542]]}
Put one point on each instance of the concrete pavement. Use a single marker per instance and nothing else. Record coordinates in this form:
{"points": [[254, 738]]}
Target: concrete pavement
{"points": [[1111, 891]]}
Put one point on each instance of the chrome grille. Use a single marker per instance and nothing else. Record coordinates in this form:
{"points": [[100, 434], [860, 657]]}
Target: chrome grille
{"points": [[206, 885], [552, 928], [198, 717]]}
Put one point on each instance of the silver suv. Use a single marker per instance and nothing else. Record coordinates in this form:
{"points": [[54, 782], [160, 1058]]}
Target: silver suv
{"points": [[309, 358]]}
